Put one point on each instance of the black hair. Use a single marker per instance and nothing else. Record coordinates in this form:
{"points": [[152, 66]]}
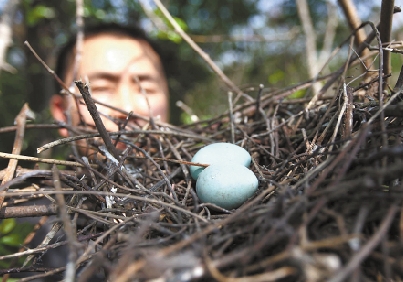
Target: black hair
{"points": [[106, 28]]}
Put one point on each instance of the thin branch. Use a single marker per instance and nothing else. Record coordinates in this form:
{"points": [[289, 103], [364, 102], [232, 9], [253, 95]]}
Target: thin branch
{"points": [[310, 43], [331, 26], [40, 160], [28, 211], [70, 230], [92, 109], [124, 132], [220, 38], [25, 113], [48, 69], [364, 252], [354, 22], [231, 117], [199, 51], [385, 28]]}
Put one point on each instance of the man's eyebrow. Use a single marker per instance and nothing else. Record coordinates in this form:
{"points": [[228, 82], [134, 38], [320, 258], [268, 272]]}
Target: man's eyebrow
{"points": [[144, 77], [103, 75]]}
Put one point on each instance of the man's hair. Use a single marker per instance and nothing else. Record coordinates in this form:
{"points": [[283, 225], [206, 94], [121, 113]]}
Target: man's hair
{"points": [[62, 62]]}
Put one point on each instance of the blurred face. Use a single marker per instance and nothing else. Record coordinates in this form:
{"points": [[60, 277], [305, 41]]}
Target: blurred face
{"points": [[123, 73]]}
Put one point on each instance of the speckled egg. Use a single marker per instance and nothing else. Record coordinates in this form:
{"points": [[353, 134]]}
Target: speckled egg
{"points": [[218, 153], [226, 185]]}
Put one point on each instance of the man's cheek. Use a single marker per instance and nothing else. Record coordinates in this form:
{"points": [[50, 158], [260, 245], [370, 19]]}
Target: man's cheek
{"points": [[159, 105]]}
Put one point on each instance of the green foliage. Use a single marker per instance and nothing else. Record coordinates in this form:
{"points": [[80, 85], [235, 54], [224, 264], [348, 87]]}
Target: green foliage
{"points": [[7, 226], [38, 13], [213, 17], [188, 119], [297, 94], [12, 236], [276, 77], [100, 10], [170, 33]]}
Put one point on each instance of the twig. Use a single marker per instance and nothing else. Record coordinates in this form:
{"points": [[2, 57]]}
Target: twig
{"points": [[79, 36], [92, 109], [364, 252], [29, 126], [28, 211], [399, 83], [231, 117], [219, 38], [145, 95], [354, 22], [336, 74], [199, 51], [258, 101], [330, 33], [40, 160], [385, 28], [46, 66], [380, 86], [385, 106], [157, 21], [122, 195], [74, 138], [340, 115], [70, 232], [72, 101], [25, 113], [310, 43]]}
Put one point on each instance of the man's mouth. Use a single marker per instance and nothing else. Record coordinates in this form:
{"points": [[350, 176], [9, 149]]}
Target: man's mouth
{"points": [[121, 145]]}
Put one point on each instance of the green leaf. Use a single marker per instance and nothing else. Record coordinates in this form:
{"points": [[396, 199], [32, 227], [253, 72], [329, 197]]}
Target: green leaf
{"points": [[4, 250], [38, 13], [277, 76], [181, 23], [12, 240], [23, 228], [7, 225], [297, 94], [185, 118], [170, 33], [173, 36]]}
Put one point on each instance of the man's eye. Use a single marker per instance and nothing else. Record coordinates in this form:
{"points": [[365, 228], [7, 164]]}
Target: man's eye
{"points": [[150, 90], [101, 89]]}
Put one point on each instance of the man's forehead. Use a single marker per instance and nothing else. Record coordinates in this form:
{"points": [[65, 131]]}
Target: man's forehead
{"points": [[114, 52]]}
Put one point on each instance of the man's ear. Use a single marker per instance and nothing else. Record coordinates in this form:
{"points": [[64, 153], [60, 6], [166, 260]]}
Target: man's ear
{"points": [[57, 109]]}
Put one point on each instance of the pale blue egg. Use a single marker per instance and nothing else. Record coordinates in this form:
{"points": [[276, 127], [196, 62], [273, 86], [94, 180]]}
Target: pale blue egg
{"points": [[218, 153], [226, 185]]}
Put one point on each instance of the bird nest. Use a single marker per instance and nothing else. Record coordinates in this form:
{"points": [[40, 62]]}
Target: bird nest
{"points": [[328, 206]]}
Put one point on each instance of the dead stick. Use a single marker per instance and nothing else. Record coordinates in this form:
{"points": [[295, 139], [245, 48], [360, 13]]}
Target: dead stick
{"points": [[68, 227], [28, 211], [355, 261], [17, 146], [354, 22], [40, 160], [199, 51], [385, 28], [92, 109]]}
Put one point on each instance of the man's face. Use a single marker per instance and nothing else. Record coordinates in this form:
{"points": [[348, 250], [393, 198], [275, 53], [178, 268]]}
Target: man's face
{"points": [[120, 71]]}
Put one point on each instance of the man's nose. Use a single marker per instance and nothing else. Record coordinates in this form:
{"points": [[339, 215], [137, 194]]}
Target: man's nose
{"points": [[125, 98]]}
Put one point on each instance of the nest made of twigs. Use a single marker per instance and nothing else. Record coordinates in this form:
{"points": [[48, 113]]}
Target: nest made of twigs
{"points": [[327, 208]]}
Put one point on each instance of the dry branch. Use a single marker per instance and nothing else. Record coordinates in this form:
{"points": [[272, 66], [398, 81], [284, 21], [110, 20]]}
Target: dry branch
{"points": [[385, 29]]}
